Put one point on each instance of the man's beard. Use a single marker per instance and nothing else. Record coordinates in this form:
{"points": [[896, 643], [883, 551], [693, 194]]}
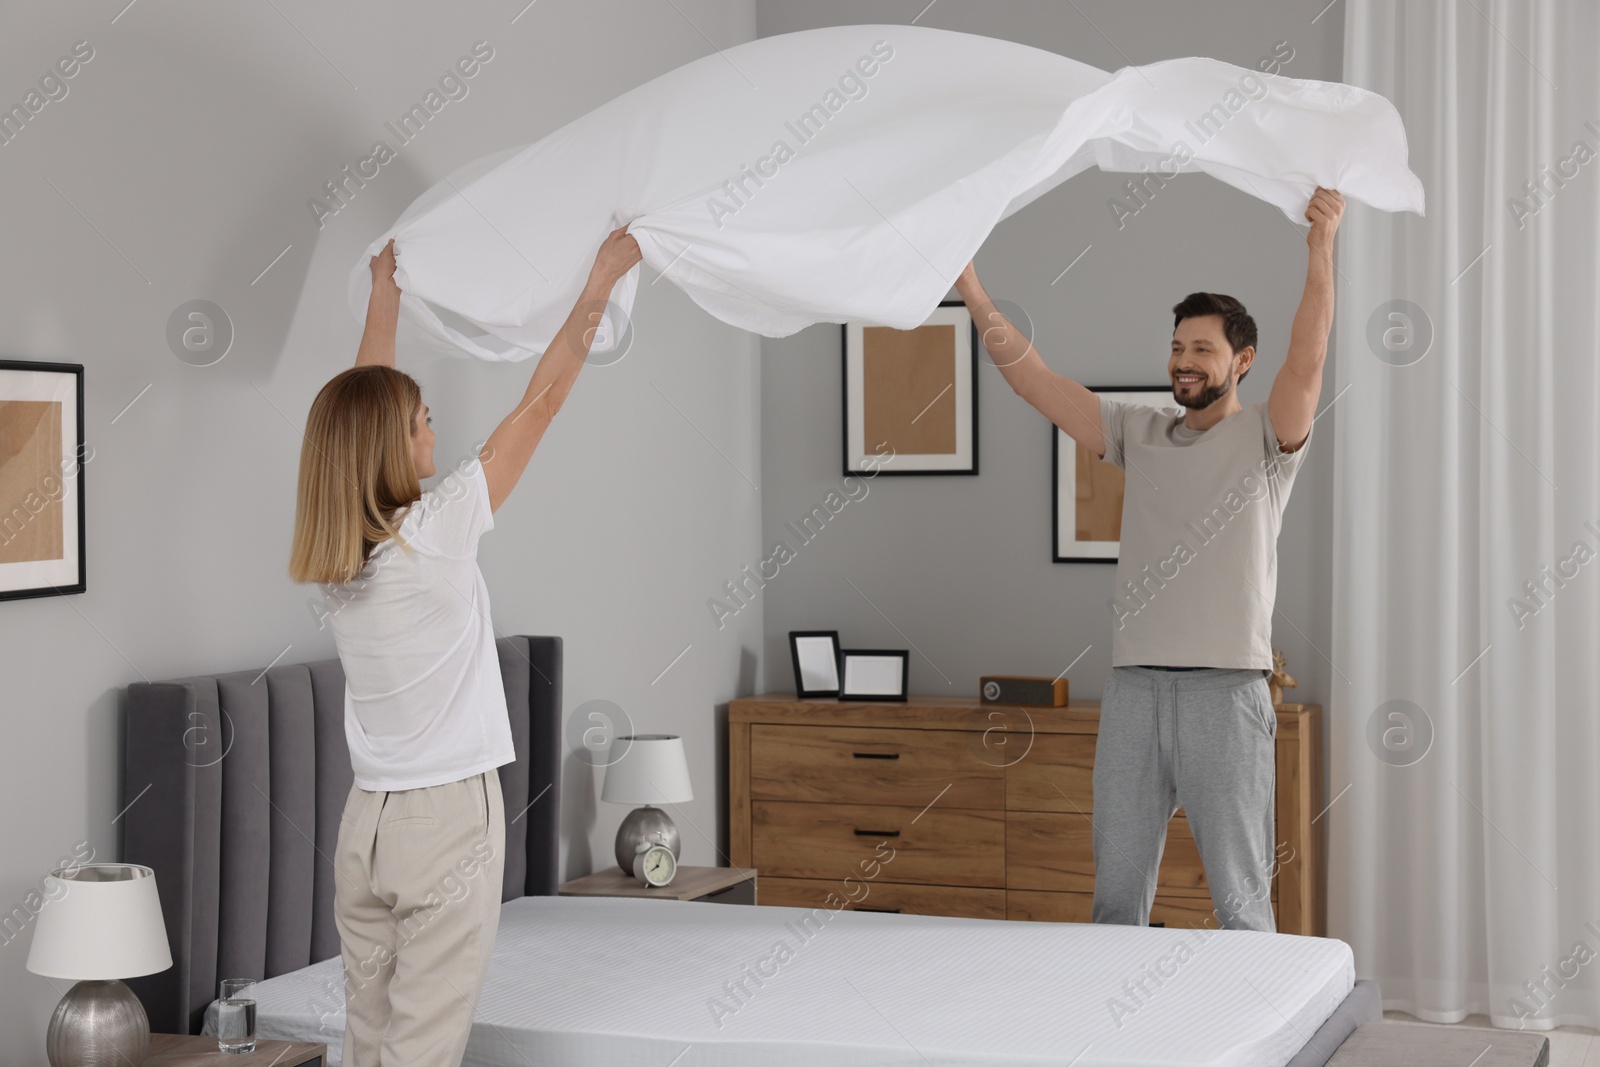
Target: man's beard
{"points": [[1204, 398]]}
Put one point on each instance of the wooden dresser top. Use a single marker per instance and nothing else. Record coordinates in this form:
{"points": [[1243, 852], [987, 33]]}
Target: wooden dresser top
{"points": [[931, 713]]}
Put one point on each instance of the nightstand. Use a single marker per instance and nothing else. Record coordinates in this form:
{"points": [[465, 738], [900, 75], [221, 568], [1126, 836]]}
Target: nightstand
{"points": [[188, 1050], [718, 885]]}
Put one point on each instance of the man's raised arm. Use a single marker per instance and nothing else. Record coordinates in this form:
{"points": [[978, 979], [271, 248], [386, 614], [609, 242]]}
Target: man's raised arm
{"points": [[1293, 401], [1071, 406]]}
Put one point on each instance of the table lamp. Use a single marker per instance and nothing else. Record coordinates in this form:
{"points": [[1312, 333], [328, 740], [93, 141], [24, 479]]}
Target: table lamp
{"points": [[100, 922], [647, 769]]}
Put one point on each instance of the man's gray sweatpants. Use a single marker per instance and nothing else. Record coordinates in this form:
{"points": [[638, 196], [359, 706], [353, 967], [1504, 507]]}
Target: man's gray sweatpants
{"points": [[1203, 740]]}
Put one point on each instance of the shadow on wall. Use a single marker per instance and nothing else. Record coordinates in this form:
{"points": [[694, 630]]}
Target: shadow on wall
{"points": [[579, 812], [749, 676], [202, 200], [331, 183]]}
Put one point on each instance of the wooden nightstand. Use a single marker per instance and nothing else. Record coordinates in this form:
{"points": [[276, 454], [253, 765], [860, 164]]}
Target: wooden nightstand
{"points": [[718, 885], [188, 1050]]}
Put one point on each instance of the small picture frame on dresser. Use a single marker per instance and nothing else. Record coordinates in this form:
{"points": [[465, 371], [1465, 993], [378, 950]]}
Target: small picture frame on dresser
{"points": [[873, 674], [816, 662]]}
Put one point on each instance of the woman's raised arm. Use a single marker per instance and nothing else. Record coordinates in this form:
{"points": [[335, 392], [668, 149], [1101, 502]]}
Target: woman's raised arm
{"points": [[505, 456], [383, 312]]}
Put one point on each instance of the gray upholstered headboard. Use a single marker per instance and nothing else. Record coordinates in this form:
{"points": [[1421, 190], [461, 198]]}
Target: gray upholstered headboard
{"points": [[233, 787]]}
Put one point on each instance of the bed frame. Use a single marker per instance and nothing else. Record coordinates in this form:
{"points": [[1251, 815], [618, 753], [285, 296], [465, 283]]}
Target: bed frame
{"points": [[233, 785], [233, 788]]}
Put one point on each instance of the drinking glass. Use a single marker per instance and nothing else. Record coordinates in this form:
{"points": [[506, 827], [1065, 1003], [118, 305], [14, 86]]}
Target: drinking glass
{"points": [[236, 1015]]}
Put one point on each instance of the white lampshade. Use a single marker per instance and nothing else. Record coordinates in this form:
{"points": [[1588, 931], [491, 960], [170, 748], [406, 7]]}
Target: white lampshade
{"points": [[647, 769], [100, 921]]}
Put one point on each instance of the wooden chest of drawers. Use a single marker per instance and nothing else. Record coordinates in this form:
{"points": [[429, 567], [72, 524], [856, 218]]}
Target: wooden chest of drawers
{"points": [[945, 806]]}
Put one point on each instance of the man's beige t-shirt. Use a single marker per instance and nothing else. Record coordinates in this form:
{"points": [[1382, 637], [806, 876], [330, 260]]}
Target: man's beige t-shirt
{"points": [[1198, 565]]}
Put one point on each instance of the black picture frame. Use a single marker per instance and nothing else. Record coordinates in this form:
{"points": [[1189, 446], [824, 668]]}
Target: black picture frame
{"points": [[800, 690], [904, 657], [76, 477], [844, 409], [1059, 441]]}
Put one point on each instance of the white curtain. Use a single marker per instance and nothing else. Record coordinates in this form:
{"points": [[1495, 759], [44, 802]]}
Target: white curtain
{"points": [[1465, 834]]}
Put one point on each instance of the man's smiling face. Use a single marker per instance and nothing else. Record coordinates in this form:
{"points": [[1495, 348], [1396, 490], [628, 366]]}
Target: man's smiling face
{"points": [[1203, 367]]}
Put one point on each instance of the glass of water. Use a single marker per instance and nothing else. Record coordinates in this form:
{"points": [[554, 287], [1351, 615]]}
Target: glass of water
{"points": [[236, 1015]]}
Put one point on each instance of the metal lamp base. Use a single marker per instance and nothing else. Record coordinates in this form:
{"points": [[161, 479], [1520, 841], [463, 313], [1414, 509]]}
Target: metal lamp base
{"points": [[641, 825], [98, 1024]]}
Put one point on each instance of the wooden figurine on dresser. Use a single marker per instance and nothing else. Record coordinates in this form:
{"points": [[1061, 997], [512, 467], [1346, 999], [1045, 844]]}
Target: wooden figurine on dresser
{"points": [[1280, 678]]}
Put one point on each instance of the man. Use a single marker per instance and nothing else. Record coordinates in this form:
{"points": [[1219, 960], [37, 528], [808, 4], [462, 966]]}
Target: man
{"points": [[1186, 719]]}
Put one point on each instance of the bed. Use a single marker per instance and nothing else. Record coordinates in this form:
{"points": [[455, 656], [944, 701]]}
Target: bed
{"points": [[236, 783]]}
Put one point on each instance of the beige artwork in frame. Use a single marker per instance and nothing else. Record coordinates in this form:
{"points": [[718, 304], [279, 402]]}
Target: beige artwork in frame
{"points": [[911, 396], [41, 479], [1086, 491]]}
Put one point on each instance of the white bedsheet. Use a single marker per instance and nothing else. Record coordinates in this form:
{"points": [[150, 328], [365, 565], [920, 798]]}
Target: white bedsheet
{"points": [[645, 983], [779, 183]]}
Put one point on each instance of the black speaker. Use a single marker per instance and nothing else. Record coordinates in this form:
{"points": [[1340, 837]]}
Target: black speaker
{"points": [[1033, 692]]}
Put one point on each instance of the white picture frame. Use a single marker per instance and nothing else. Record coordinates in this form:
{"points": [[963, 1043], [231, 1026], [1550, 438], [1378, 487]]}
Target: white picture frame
{"points": [[873, 674]]}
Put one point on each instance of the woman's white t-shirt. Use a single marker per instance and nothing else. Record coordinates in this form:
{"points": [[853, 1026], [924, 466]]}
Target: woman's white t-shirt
{"points": [[424, 703]]}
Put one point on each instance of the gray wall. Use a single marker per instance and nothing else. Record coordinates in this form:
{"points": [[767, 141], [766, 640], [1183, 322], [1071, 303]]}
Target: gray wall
{"points": [[191, 142], [958, 568], [180, 164]]}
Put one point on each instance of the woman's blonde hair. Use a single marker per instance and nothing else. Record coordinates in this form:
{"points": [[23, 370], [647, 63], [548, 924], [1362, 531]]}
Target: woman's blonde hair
{"points": [[356, 471]]}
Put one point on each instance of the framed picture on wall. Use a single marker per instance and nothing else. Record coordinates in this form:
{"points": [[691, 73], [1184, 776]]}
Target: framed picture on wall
{"points": [[1086, 491], [41, 479], [911, 396]]}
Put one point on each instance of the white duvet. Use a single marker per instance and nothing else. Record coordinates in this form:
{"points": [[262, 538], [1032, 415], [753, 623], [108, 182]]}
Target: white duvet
{"points": [[651, 983], [849, 173]]}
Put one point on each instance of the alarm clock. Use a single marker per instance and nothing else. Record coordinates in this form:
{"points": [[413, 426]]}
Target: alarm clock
{"points": [[654, 864]]}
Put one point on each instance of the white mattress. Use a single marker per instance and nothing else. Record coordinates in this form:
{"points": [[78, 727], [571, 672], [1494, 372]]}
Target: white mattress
{"points": [[638, 983]]}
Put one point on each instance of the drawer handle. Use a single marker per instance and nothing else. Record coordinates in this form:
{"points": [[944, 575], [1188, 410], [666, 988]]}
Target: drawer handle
{"points": [[886, 911], [876, 755], [877, 833]]}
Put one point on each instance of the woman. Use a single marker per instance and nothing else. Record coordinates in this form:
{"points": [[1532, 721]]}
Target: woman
{"points": [[420, 855]]}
